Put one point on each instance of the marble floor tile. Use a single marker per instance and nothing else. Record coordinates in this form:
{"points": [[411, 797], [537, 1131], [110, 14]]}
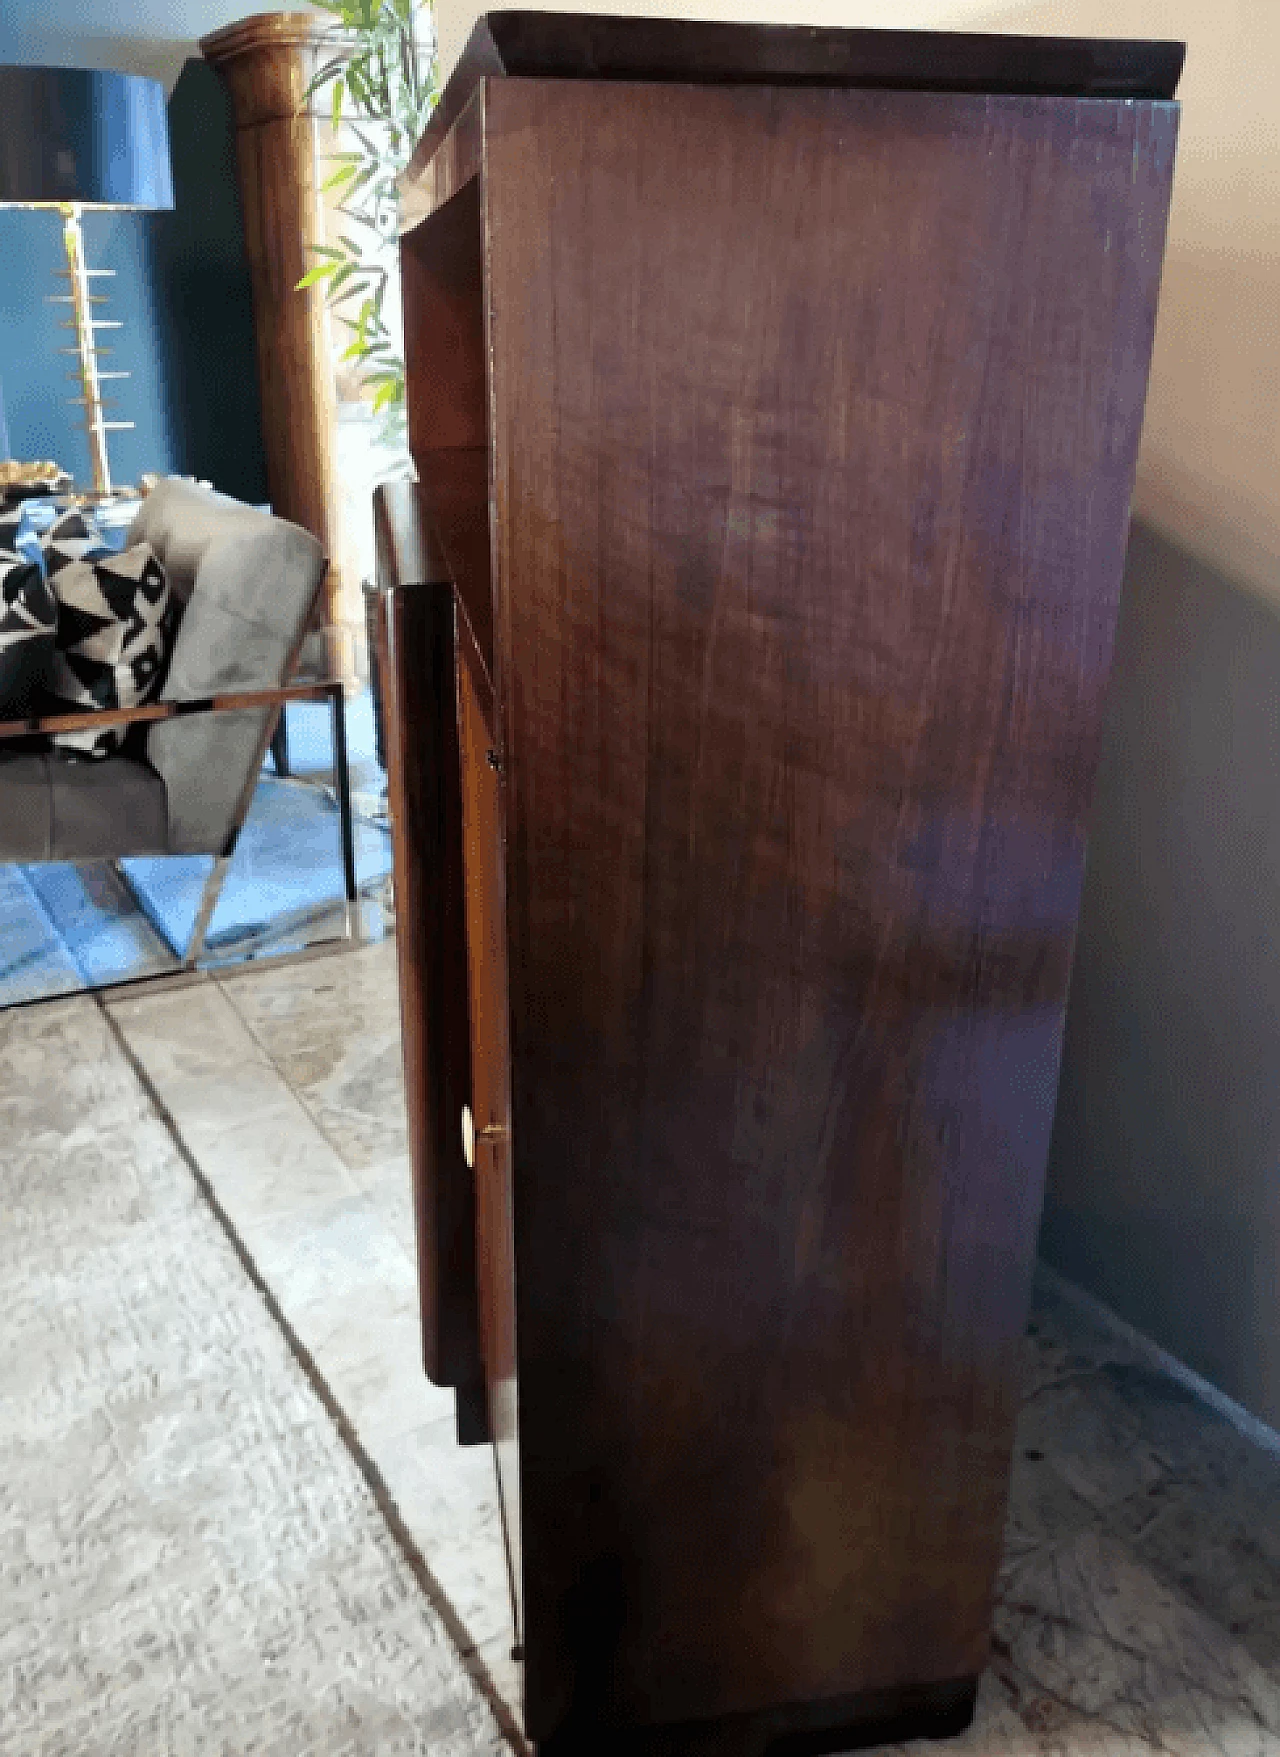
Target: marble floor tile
{"points": [[282, 998], [1089, 1637], [374, 1369], [84, 1094], [333, 1032], [1043, 1507], [388, 1184], [1225, 1566], [1096, 1447], [447, 1496], [202, 1059], [360, 1104], [273, 1162], [331, 1264]]}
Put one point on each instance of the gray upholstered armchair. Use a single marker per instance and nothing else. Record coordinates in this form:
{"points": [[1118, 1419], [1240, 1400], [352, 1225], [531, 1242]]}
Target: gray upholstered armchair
{"points": [[183, 783]]}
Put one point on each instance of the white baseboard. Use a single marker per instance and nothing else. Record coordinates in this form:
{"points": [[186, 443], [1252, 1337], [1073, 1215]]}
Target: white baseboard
{"points": [[1240, 1418]]}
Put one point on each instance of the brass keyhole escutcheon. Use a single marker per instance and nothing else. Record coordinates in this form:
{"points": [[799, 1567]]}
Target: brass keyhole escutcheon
{"points": [[471, 1134]]}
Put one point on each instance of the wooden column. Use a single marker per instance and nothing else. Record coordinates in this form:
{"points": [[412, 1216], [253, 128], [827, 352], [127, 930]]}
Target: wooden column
{"points": [[267, 62]]}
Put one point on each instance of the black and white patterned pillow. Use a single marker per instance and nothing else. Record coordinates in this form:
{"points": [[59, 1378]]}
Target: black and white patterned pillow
{"points": [[116, 623], [28, 615]]}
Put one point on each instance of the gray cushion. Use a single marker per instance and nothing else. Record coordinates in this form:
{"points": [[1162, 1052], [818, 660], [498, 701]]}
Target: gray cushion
{"points": [[253, 580], [56, 807], [179, 520]]}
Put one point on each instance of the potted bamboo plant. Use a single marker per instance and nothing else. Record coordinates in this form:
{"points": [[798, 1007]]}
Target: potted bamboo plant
{"points": [[378, 86]]}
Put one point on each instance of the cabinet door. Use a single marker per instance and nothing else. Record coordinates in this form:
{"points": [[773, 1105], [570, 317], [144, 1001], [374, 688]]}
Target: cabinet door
{"points": [[413, 641], [489, 1126]]}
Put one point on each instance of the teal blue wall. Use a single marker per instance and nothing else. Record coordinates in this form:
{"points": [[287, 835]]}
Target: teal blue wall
{"points": [[181, 290], [202, 387], [42, 423]]}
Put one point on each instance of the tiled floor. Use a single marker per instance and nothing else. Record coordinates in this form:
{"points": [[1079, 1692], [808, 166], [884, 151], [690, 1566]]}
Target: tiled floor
{"points": [[284, 1083], [1139, 1602]]}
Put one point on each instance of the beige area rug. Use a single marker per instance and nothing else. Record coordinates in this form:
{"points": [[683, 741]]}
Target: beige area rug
{"points": [[190, 1561]]}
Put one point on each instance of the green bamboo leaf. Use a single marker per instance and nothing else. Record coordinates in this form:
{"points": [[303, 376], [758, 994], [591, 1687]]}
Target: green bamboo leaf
{"points": [[323, 75], [343, 174], [359, 180], [339, 300], [321, 272]]}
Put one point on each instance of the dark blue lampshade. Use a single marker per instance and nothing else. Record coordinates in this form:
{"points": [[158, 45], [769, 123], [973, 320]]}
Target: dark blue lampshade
{"points": [[72, 135]]}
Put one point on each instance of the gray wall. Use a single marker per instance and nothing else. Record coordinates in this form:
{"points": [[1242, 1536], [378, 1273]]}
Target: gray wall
{"points": [[1164, 1180]]}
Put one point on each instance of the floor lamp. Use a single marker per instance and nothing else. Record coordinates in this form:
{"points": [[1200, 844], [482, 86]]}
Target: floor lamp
{"points": [[72, 139]]}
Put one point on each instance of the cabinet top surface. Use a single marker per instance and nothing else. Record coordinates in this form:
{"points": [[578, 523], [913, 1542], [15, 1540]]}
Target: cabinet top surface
{"points": [[583, 45]]}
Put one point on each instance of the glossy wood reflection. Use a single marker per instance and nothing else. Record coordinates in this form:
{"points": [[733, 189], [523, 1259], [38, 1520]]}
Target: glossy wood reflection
{"points": [[484, 822]]}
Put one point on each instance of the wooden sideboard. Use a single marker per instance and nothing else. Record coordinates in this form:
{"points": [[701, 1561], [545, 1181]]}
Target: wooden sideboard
{"points": [[775, 397]]}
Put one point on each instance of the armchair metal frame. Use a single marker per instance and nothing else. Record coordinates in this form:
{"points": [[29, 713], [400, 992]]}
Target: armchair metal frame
{"points": [[226, 703]]}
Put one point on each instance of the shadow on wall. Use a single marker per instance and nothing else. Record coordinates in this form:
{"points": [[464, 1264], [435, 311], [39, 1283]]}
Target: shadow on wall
{"points": [[1164, 1173]]}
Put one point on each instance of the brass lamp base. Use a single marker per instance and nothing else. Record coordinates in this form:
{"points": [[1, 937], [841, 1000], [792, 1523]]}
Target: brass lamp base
{"points": [[86, 350]]}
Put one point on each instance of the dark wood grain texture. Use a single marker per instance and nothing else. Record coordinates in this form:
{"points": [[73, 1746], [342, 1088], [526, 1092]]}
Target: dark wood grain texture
{"points": [[415, 639], [444, 172], [811, 418], [812, 471], [578, 45], [442, 274]]}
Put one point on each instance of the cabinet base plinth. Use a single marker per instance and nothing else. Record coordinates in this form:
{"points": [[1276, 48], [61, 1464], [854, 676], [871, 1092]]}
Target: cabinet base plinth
{"points": [[880, 1717]]}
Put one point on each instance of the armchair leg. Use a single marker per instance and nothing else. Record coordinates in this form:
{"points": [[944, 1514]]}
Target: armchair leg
{"points": [[342, 787], [280, 747], [204, 913]]}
